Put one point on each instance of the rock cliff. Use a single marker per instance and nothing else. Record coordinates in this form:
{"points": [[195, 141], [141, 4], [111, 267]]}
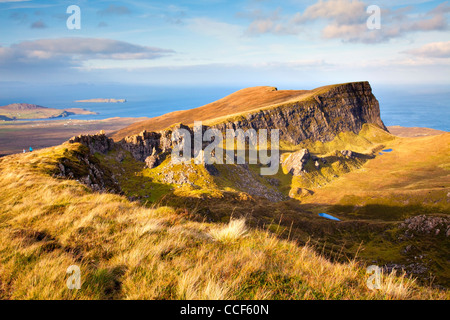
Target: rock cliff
{"points": [[318, 116]]}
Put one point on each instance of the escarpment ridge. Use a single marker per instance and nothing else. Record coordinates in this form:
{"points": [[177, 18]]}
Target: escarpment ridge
{"points": [[299, 114], [315, 115]]}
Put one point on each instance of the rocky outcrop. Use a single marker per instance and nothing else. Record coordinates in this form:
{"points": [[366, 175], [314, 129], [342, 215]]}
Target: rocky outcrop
{"points": [[247, 182], [326, 113], [338, 109], [295, 162], [347, 153], [96, 143], [151, 162], [143, 144], [154, 159], [426, 225], [88, 170], [151, 147]]}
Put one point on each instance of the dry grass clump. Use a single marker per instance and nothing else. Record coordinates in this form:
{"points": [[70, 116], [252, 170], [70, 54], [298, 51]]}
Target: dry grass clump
{"points": [[127, 251], [232, 232]]}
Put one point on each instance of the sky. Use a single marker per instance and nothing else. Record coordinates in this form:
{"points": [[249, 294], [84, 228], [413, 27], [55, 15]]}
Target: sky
{"points": [[293, 43]]}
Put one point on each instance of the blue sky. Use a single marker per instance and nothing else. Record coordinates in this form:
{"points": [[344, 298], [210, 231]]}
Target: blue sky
{"points": [[257, 42]]}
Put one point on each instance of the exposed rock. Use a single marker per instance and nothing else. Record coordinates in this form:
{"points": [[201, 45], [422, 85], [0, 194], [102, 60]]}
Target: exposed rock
{"points": [[179, 178], [62, 168], [154, 159], [295, 162], [120, 156], [151, 162], [273, 182], [341, 108], [96, 143], [347, 153], [248, 182], [87, 170], [212, 170], [300, 192], [426, 225], [410, 269], [317, 164], [143, 144], [152, 147]]}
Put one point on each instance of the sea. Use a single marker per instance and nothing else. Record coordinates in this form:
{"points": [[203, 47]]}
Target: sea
{"points": [[400, 105]]}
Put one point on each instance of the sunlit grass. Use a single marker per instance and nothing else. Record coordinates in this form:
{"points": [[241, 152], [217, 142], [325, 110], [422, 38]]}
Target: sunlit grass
{"points": [[232, 232], [127, 251]]}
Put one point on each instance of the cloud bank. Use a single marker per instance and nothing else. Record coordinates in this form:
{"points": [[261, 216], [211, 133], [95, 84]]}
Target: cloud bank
{"points": [[432, 50], [346, 20], [74, 51]]}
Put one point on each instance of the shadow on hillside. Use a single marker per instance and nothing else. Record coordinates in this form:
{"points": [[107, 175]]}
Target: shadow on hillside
{"points": [[371, 233]]}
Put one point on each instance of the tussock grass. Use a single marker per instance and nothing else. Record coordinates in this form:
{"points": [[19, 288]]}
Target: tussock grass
{"points": [[127, 251], [230, 233]]}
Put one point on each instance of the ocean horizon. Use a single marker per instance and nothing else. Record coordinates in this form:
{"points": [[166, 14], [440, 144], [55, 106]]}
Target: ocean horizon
{"points": [[402, 106]]}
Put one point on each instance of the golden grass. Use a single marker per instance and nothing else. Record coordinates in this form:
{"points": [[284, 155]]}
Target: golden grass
{"points": [[416, 172], [126, 251], [230, 233]]}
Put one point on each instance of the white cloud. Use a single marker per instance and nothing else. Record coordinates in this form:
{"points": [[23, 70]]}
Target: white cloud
{"points": [[346, 20], [432, 50], [339, 11], [89, 48], [60, 56]]}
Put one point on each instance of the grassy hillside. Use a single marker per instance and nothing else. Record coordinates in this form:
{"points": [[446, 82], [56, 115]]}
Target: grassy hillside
{"points": [[371, 194], [129, 251], [414, 173]]}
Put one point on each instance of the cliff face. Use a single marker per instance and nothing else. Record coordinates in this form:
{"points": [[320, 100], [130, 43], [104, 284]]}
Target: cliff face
{"points": [[96, 142], [320, 114], [321, 117]]}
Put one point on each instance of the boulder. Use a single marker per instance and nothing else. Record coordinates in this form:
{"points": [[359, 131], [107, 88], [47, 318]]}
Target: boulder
{"points": [[295, 162], [300, 192], [347, 153]]}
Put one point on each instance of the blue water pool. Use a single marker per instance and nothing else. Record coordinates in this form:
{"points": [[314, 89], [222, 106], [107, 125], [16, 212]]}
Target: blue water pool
{"points": [[327, 216]]}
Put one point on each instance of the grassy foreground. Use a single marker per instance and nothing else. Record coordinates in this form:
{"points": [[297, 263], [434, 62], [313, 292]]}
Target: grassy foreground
{"points": [[126, 251]]}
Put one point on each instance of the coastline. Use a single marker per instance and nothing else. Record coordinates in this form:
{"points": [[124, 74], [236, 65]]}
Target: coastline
{"points": [[22, 134], [413, 132]]}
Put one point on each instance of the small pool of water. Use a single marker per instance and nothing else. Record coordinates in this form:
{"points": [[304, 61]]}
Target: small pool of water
{"points": [[327, 216]]}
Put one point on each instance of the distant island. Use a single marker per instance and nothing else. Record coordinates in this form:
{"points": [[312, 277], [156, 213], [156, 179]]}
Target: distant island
{"points": [[21, 111], [100, 100]]}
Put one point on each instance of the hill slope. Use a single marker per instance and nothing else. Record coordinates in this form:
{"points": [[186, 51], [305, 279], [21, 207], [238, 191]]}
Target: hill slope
{"points": [[354, 101], [240, 101], [127, 251]]}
